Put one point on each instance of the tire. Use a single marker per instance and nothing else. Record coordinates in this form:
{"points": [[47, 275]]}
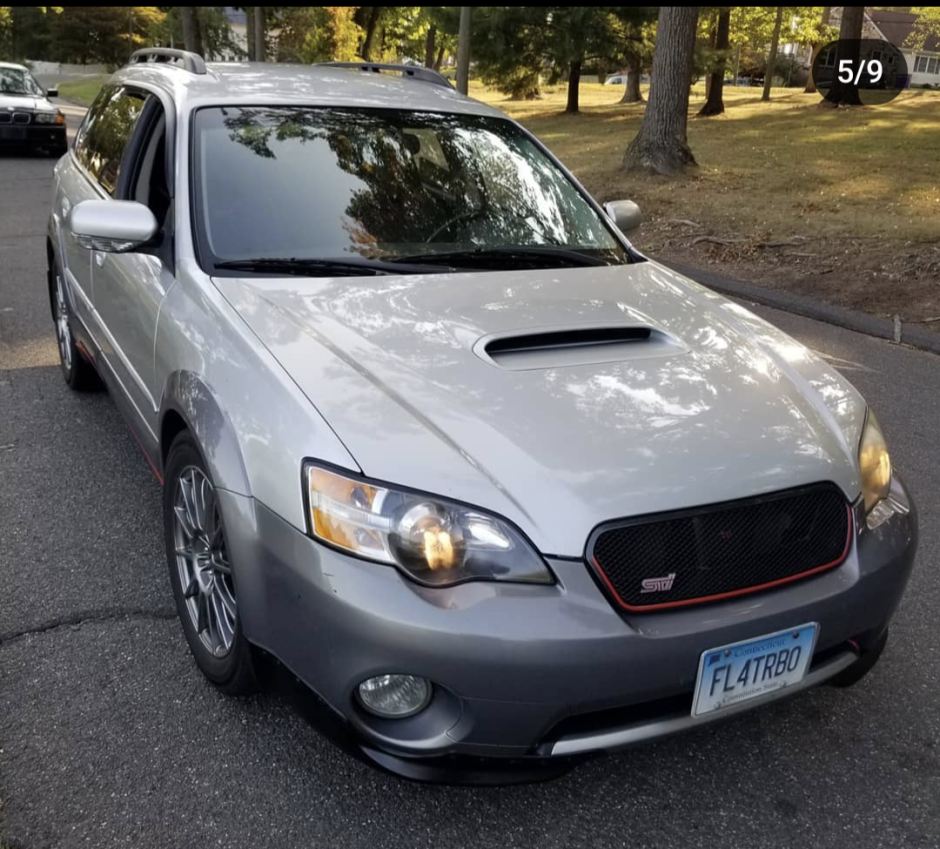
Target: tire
{"points": [[79, 374], [862, 666], [200, 572]]}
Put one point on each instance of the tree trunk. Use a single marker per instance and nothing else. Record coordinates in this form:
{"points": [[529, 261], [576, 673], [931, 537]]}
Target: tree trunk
{"points": [[772, 56], [250, 32], [850, 33], [260, 49], [631, 91], [463, 50], [371, 26], [440, 58], [429, 46], [712, 42], [810, 82], [715, 103], [662, 146], [574, 85], [191, 35]]}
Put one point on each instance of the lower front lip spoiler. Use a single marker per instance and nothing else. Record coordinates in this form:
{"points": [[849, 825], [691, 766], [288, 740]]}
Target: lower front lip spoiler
{"points": [[628, 735]]}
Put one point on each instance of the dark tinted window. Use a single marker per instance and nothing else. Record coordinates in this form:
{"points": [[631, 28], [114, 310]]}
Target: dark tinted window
{"points": [[317, 183], [107, 130]]}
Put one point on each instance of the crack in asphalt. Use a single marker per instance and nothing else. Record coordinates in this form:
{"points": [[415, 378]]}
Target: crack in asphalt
{"points": [[87, 616]]}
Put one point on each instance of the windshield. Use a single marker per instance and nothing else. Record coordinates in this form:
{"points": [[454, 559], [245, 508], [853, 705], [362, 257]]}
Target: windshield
{"points": [[18, 81], [310, 183]]}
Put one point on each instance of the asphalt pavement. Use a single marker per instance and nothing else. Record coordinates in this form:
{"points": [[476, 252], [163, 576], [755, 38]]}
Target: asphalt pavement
{"points": [[109, 737]]}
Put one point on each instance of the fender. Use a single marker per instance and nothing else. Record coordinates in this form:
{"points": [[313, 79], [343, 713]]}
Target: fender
{"points": [[186, 396]]}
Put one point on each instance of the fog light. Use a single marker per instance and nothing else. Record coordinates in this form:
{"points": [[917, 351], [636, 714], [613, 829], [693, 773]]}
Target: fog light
{"points": [[395, 696]]}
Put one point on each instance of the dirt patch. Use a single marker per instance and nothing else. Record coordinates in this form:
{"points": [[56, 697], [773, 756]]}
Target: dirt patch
{"points": [[870, 275]]}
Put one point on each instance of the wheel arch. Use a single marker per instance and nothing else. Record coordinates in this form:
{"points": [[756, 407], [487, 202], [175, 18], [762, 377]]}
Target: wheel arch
{"points": [[189, 404], [50, 274]]}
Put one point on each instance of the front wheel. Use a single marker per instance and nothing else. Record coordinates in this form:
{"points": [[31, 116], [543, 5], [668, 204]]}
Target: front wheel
{"points": [[79, 374], [201, 571]]}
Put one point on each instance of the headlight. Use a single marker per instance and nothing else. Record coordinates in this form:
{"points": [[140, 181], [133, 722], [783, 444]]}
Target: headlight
{"points": [[434, 541], [50, 118], [874, 465]]}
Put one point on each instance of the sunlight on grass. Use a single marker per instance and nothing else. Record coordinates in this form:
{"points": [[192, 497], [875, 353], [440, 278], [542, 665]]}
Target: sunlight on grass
{"points": [[787, 168]]}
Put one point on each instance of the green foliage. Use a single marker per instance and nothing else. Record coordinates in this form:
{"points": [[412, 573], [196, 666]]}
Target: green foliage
{"points": [[752, 26], [24, 31], [927, 26], [509, 44], [105, 34], [514, 45], [319, 34]]}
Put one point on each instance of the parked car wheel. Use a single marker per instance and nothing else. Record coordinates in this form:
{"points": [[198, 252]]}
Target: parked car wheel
{"points": [[79, 374], [201, 572]]}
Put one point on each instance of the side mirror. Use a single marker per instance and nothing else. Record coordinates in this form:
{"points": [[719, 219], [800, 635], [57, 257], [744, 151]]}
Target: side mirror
{"points": [[52, 92], [625, 214], [115, 226]]}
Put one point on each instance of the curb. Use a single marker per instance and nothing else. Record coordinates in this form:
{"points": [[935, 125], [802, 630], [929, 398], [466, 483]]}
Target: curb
{"points": [[882, 328]]}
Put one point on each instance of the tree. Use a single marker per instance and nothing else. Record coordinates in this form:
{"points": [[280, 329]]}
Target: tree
{"points": [[661, 145], [429, 46], [259, 34], [192, 37], [318, 34], [926, 27], [850, 34], [772, 57], [105, 34], [817, 46], [463, 50], [446, 23], [513, 45], [508, 48], [579, 34], [374, 15], [639, 37], [714, 102]]}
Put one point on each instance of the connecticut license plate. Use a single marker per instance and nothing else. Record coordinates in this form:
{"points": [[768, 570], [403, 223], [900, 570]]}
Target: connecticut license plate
{"points": [[729, 675]]}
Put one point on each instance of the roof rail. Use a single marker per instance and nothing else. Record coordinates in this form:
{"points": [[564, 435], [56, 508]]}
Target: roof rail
{"points": [[192, 62], [417, 72]]}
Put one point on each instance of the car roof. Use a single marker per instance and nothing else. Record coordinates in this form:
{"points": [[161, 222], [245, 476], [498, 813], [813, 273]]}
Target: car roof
{"points": [[13, 66], [264, 83]]}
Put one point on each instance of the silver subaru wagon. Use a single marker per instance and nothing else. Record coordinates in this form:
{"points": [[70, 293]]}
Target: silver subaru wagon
{"points": [[438, 442]]}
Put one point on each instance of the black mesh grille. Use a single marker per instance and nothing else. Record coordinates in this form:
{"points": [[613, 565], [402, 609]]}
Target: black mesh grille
{"points": [[729, 548]]}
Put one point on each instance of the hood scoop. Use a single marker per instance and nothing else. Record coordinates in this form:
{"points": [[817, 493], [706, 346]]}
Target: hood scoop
{"points": [[545, 348]]}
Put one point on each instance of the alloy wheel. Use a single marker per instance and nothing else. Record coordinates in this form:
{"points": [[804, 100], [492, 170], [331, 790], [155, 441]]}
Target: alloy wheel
{"points": [[203, 563], [63, 332]]}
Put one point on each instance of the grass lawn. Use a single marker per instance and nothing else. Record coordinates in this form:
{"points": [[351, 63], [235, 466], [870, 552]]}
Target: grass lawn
{"points": [[856, 192], [82, 91]]}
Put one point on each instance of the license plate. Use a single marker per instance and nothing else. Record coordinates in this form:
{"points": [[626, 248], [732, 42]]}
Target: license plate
{"points": [[13, 133], [730, 675]]}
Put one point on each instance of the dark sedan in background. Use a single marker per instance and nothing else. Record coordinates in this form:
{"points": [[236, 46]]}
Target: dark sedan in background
{"points": [[27, 118]]}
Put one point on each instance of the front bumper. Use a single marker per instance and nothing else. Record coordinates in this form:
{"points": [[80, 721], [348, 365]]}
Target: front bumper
{"points": [[517, 667], [52, 136]]}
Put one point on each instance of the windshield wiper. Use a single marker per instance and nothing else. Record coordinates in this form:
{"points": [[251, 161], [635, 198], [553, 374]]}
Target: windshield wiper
{"points": [[328, 267], [508, 257]]}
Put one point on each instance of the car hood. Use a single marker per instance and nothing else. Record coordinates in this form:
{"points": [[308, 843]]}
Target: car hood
{"points": [[25, 101], [714, 404]]}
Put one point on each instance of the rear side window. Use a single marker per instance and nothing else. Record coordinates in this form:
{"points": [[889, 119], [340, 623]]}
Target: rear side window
{"points": [[106, 133]]}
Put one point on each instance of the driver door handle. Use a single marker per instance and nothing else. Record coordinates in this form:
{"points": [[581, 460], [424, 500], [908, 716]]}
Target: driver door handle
{"points": [[99, 258]]}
